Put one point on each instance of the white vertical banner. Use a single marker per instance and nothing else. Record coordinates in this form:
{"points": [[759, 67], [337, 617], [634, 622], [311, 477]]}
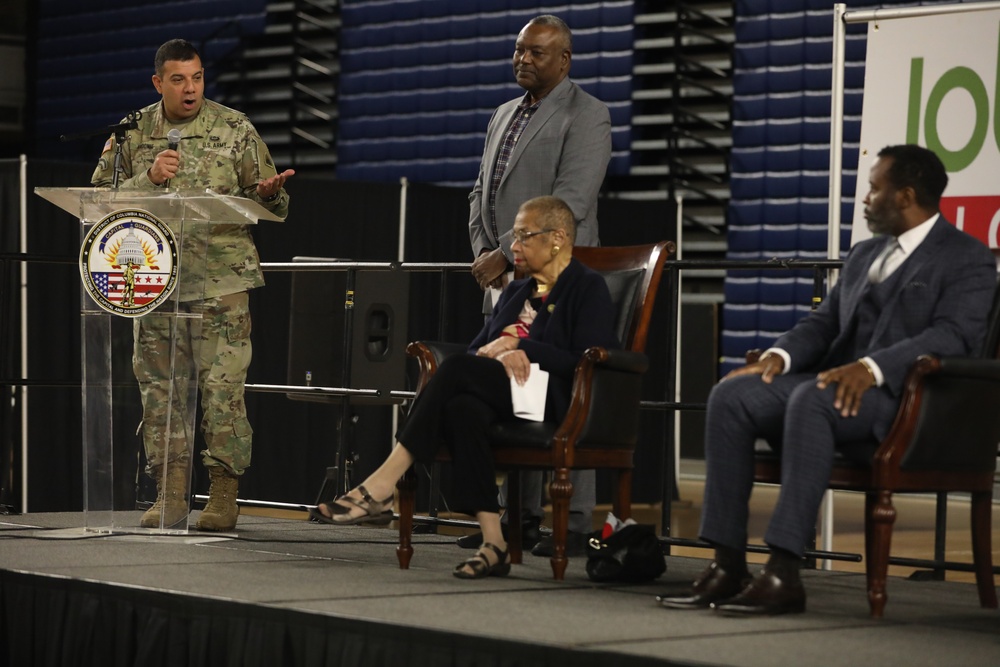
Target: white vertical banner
{"points": [[934, 81]]}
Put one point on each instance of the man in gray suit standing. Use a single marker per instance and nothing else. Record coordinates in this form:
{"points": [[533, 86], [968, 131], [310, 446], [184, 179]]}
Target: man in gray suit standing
{"points": [[554, 140], [922, 287]]}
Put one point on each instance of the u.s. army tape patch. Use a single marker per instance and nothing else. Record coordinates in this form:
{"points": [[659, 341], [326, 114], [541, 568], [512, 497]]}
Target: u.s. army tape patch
{"points": [[128, 262]]}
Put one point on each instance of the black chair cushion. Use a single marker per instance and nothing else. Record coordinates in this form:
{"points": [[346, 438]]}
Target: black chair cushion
{"points": [[522, 433]]}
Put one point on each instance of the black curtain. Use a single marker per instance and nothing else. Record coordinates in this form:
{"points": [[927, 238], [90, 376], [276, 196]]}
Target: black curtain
{"points": [[294, 440], [55, 474], [10, 347]]}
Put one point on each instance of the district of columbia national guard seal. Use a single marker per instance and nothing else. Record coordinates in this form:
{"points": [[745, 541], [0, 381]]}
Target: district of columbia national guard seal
{"points": [[128, 262]]}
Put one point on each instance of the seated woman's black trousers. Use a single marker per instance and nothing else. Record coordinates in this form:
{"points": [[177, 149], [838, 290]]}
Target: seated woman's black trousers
{"points": [[464, 397]]}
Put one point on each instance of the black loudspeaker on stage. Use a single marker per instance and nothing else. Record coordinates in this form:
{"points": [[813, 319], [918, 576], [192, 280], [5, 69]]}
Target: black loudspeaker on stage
{"points": [[317, 340]]}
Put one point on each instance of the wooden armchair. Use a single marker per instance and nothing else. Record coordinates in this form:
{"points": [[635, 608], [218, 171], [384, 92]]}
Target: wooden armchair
{"points": [[944, 439], [601, 426]]}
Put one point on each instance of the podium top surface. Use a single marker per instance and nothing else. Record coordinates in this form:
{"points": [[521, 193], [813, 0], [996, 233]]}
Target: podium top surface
{"points": [[94, 204]]}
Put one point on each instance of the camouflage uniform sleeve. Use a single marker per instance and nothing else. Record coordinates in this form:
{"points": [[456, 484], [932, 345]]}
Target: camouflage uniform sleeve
{"points": [[257, 165], [103, 175]]}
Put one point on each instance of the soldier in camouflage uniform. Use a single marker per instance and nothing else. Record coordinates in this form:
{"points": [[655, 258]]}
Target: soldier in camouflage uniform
{"points": [[219, 150]]}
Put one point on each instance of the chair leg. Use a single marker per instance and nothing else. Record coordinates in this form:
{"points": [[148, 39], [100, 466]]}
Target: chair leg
{"points": [[623, 494], [407, 487], [514, 542], [880, 515], [870, 499], [982, 554], [561, 491]]}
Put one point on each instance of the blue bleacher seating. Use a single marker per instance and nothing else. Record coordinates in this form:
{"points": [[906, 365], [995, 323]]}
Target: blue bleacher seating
{"points": [[816, 103], [744, 238], [581, 17], [785, 105], [745, 186], [777, 319], [784, 79], [786, 25], [777, 238], [742, 287], [783, 158], [745, 213], [783, 131], [815, 157], [749, 133], [753, 55], [741, 316], [816, 130], [750, 107], [819, 23], [814, 184], [782, 184], [108, 45], [585, 67], [444, 65], [749, 29], [750, 82], [618, 39], [786, 52], [586, 42], [819, 50]]}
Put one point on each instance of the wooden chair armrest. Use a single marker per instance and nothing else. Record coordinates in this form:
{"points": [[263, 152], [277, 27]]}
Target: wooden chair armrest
{"points": [[607, 386], [948, 419], [429, 355]]}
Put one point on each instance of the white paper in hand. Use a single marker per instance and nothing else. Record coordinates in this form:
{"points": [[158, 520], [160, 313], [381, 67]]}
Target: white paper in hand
{"points": [[529, 398]]}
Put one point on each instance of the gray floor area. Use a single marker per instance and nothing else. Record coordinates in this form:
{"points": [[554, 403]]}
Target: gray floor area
{"points": [[352, 572]]}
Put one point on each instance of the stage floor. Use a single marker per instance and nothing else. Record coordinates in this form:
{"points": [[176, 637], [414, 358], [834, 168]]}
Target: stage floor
{"points": [[350, 575]]}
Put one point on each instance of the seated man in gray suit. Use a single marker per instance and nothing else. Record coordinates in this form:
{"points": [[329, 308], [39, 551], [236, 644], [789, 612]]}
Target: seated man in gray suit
{"points": [[921, 287], [554, 140]]}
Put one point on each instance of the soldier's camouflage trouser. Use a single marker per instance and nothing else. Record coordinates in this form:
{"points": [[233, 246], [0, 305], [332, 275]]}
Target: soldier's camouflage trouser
{"points": [[221, 340]]}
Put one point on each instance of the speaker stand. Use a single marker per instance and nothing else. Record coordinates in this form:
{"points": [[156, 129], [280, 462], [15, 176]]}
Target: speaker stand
{"points": [[339, 476]]}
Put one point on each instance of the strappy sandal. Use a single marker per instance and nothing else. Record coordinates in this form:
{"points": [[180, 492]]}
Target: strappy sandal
{"points": [[480, 564], [340, 513]]}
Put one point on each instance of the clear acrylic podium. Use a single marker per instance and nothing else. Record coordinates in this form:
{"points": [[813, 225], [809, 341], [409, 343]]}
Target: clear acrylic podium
{"points": [[111, 409]]}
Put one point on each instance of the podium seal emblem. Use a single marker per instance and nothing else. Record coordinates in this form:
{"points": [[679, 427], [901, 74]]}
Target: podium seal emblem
{"points": [[128, 262]]}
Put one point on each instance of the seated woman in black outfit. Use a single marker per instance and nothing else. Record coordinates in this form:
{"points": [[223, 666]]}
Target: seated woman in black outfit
{"points": [[549, 318]]}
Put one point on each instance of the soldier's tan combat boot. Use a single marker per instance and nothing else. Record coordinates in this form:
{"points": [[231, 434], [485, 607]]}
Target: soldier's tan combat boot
{"points": [[221, 509], [171, 499]]}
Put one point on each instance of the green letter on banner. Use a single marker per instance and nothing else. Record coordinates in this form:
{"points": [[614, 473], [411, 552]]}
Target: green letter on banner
{"points": [[913, 110], [965, 78]]}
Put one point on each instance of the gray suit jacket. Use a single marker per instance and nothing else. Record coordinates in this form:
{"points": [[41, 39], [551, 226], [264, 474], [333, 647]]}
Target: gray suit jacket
{"points": [[946, 288], [564, 151]]}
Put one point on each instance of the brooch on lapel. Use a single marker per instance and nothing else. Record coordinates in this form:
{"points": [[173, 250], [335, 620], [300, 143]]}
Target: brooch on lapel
{"points": [[551, 307]]}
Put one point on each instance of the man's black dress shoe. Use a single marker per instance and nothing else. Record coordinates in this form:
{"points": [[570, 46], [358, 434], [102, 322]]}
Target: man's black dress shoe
{"points": [[713, 584], [530, 534], [767, 595], [576, 545]]}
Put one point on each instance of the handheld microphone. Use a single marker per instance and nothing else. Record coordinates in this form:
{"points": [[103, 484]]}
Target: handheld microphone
{"points": [[173, 138]]}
